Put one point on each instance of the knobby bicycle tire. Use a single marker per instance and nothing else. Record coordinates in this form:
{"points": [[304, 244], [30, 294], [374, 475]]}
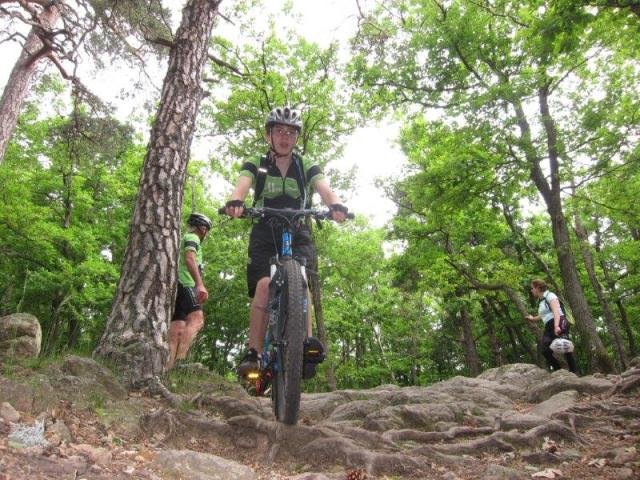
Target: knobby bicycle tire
{"points": [[293, 321]]}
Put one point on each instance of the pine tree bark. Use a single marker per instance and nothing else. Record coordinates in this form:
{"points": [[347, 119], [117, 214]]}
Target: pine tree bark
{"points": [[17, 85], [135, 337]]}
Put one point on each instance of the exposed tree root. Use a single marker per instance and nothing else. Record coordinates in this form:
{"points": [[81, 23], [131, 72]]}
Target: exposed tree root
{"points": [[167, 426], [373, 440], [433, 437], [627, 385], [508, 441]]}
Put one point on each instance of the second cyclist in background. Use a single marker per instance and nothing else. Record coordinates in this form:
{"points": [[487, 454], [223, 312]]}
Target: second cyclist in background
{"points": [[188, 317], [280, 180]]}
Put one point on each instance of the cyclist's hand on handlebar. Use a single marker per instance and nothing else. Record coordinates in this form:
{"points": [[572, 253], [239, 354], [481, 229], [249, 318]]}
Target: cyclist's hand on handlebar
{"points": [[339, 212], [234, 208]]}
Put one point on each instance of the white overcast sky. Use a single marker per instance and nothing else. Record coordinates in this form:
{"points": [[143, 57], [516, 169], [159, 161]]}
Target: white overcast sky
{"points": [[372, 148]]}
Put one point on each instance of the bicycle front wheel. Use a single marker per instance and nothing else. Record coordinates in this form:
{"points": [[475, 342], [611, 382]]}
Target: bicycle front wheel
{"points": [[291, 326]]}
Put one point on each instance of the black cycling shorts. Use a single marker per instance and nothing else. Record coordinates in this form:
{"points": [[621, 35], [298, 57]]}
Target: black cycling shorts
{"points": [[262, 247], [186, 303]]}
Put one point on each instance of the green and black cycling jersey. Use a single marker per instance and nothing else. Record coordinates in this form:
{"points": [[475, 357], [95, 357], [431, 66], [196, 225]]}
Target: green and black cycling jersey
{"points": [[190, 241], [279, 191]]}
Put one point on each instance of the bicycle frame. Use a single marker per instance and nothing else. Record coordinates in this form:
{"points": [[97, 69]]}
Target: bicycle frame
{"points": [[287, 347], [270, 361]]}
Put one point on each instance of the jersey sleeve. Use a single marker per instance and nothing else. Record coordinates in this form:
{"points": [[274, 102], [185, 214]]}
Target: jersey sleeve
{"points": [[191, 242], [250, 168], [314, 174]]}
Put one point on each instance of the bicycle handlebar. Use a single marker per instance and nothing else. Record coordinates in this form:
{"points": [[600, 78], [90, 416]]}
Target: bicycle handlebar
{"points": [[288, 213]]}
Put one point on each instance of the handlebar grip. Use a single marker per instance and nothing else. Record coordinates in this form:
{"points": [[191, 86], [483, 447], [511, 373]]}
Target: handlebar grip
{"points": [[222, 211], [351, 216]]}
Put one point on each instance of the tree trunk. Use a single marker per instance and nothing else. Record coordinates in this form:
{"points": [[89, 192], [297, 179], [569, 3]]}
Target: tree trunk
{"points": [[514, 329], [612, 324], [320, 327], [494, 345], [383, 356], [17, 85], [468, 344], [624, 319], [597, 354], [135, 337]]}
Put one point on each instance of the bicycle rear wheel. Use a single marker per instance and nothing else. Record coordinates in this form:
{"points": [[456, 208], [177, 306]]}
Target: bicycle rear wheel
{"points": [[291, 332]]}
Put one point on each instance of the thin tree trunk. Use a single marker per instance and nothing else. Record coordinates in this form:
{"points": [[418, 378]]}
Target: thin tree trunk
{"points": [[513, 326], [359, 350], [52, 339], [597, 353], [17, 85], [624, 319], [383, 355], [612, 324], [321, 330], [135, 337], [494, 345], [468, 344]]}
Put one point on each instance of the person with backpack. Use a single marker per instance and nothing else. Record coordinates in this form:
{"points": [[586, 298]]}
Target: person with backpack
{"points": [[280, 180], [556, 326], [188, 317]]}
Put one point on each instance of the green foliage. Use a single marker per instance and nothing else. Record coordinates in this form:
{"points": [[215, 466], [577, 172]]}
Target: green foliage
{"points": [[467, 77], [272, 68], [67, 191], [463, 77]]}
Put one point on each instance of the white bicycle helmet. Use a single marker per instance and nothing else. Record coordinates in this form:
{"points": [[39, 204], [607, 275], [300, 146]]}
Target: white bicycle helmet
{"points": [[561, 345], [284, 116]]}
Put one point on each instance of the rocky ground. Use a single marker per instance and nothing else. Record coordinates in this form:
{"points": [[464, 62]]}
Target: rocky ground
{"points": [[73, 420]]}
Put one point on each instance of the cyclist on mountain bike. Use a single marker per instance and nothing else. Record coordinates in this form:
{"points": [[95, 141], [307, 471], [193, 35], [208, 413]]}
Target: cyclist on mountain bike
{"points": [[188, 317], [280, 180]]}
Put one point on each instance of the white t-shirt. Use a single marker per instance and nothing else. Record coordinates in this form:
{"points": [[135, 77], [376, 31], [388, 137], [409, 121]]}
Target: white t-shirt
{"points": [[544, 308]]}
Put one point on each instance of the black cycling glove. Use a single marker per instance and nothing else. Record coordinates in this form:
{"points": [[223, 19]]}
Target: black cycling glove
{"points": [[338, 207], [234, 203]]}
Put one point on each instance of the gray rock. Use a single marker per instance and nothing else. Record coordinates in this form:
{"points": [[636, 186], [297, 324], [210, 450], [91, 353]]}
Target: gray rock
{"points": [[623, 473], [189, 465], [563, 380], [521, 375], [59, 432], [20, 336], [85, 374], [9, 413], [498, 472], [560, 402], [33, 397]]}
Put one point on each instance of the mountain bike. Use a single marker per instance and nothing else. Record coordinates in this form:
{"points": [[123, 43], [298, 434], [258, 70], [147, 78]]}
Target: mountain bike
{"points": [[289, 354]]}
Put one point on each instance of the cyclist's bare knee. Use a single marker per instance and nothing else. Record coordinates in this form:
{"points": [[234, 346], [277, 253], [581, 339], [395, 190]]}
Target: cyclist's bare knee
{"points": [[195, 320]]}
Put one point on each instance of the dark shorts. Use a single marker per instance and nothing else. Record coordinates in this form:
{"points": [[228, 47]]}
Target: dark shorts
{"points": [[186, 303], [262, 247]]}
